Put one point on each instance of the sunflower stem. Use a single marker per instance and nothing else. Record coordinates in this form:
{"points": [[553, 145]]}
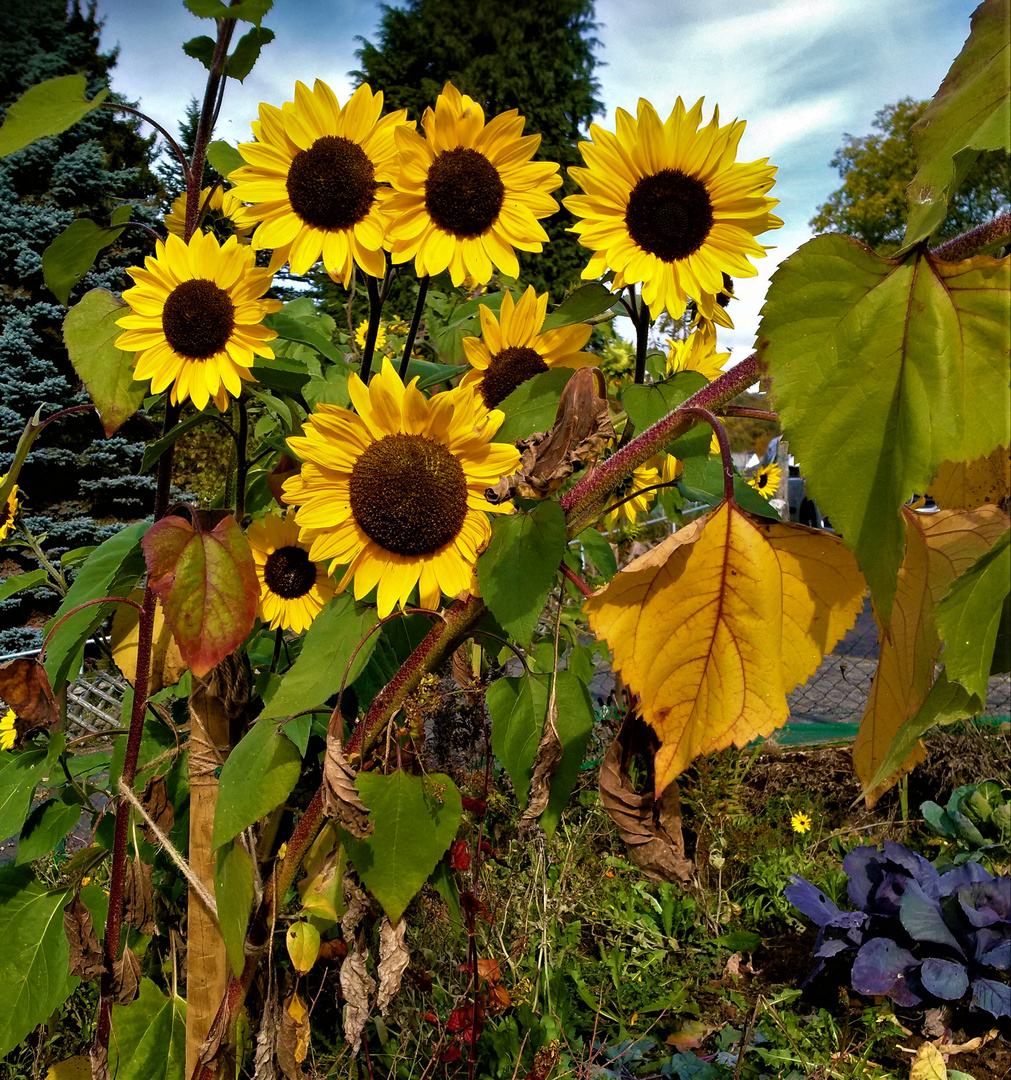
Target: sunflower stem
{"points": [[278, 642], [412, 333], [241, 464], [375, 313], [721, 434], [642, 325]]}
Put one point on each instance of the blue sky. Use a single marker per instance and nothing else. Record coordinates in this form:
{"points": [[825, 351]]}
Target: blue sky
{"points": [[800, 72]]}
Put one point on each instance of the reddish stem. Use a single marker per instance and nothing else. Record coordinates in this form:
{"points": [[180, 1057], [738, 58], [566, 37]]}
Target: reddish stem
{"points": [[725, 455], [754, 414], [997, 231], [576, 580]]}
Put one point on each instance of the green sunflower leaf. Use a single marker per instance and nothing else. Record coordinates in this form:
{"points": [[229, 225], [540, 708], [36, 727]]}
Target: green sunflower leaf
{"points": [[258, 775], [112, 569], [517, 708], [17, 583], [328, 646], [149, 1037], [233, 893], [518, 568], [153, 451], [880, 368], [574, 725], [290, 328], [970, 112], [35, 959], [46, 826], [89, 333], [646, 405], [72, 254], [248, 11], [205, 577], [532, 405], [20, 773], [202, 49], [599, 552], [247, 52], [46, 109], [584, 303], [415, 819], [223, 157], [969, 617]]}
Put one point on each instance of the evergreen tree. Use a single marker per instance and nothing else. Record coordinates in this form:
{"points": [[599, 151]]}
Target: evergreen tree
{"points": [[534, 57], [876, 170], [74, 476]]}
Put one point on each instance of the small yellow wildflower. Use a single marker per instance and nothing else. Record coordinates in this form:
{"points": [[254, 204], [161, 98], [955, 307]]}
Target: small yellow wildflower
{"points": [[8, 732], [800, 822], [362, 331]]}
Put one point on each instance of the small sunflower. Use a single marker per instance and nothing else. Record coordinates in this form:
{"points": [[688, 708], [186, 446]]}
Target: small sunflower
{"points": [[9, 511], [671, 469], [197, 318], [645, 476], [396, 493], [224, 215], [697, 353], [766, 480], [293, 589], [512, 349], [667, 205], [315, 177], [800, 822], [468, 194], [8, 730], [362, 332]]}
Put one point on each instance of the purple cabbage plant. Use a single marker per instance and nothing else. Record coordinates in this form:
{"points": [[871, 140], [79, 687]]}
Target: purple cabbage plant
{"points": [[919, 936]]}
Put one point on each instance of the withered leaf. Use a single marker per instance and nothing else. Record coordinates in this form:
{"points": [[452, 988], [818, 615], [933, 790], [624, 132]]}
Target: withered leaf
{"points": [[393, 961], [651, 828], [25, 687], [547, 459], [293, 1038], [86, 958], [357, 986], [138, 898], [126, 977], [341, 800], [549, 754], [99, 1056], [156, 802], [264, 1066]]}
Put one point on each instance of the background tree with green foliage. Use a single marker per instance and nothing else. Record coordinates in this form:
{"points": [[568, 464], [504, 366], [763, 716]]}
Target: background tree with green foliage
{"points": [[75, 480], [876, 170], [537, 58]]}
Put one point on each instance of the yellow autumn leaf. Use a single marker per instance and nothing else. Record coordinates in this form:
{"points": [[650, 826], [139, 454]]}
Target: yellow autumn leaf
{"points": [[74, 1068], [928, 1064], [303, 941], [966, 485], [715, 626], [299, 1015], [167, 664], [939, 547]]}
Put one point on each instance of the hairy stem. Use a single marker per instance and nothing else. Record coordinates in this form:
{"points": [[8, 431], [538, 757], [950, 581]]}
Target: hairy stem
{"points": [[995, 233]]}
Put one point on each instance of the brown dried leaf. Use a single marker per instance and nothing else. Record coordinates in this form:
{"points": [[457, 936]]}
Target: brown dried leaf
{"points": [[293, 1037], [24, 686], [357, 986], [86, 958], [341, 800], [99, 1056], [357, 900], [582, 429], [549, 754], [264, 1065], [393, 961], [651, 828], [156, 802], [138, 897], [126, 978]]}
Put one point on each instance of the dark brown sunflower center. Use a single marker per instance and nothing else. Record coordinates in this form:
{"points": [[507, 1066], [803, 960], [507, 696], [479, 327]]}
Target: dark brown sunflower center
{"points": [[669, 214], [507, 370], [763, 480], [332, 185], [409, 494], [463, 192], [198, 318], [288, 573], [5, 513]]}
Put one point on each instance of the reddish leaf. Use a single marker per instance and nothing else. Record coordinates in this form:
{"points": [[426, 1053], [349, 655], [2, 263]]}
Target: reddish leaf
{"points": [[24, 686], [206, 580], [459, 855]]}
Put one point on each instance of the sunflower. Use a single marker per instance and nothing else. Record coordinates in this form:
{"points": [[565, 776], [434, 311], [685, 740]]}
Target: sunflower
{"points": [[645, 476], [697, 353], [512, 349], [667, 205], [8, 730], [224, 214], [315, 176], [396, 493], [362, 333], [196, 318], [766, 480], [468, 193], [671, 469], [9, 511], [293, 589]]}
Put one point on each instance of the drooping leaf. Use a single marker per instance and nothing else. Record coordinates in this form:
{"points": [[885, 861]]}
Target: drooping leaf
{"points": [[329, 643], [206, 580], [25, 688], [16, 583], [112, 569], [46, 826], [878, 367], [532, 406], [247, 52], [149, 1037], [258, 775], [599, 551], [938, 548], [574, 724], [969, 617], [302, 941], [223, 157], [716, 625], [35, 958], [970, 112], [520, 565], [248, 10], [415, 819], [233, 893], [585, 302], [964, 485], [72, 254], [46, 109], [517, 707]]}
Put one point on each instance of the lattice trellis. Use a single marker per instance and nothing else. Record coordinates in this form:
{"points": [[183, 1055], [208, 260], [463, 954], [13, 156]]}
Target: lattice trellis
{"points": [[95, 703]]}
